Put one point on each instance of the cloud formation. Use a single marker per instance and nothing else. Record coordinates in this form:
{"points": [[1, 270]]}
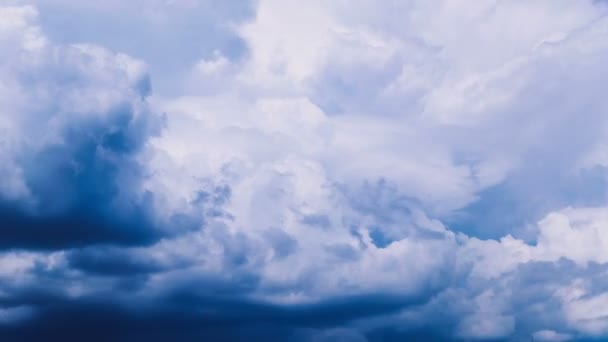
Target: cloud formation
{"points": [[321, 171]]}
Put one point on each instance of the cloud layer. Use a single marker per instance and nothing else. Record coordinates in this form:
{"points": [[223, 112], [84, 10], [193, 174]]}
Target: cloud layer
{"points": [[316, 171]]}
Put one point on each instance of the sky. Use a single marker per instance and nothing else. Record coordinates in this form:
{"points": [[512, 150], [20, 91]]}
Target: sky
{"points": [[281, 170]]}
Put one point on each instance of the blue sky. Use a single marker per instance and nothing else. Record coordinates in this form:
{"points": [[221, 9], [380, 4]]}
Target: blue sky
{"points": [[303, 170]]}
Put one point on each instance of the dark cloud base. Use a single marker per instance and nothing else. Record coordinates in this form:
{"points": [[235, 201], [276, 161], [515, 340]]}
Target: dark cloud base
{"points": [[184, 317], [75, 228]]}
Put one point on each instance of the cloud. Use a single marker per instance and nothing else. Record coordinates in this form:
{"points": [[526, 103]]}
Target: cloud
{"points": [[416, 170], [550, 335], [71, 133], [153, 30]]}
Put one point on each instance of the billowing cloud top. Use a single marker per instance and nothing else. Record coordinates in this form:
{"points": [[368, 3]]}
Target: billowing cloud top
{"points": [[306, 171]]}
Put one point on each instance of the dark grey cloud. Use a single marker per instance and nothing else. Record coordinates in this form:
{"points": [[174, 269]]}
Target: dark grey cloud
{"points": [[182, 316], [79, 126], [83, 187]]}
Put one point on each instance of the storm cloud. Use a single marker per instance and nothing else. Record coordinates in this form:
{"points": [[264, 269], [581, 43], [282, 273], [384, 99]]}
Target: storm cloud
{"points": [[320, 171]]}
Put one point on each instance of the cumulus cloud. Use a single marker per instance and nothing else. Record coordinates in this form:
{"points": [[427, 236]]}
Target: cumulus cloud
{"points": [[415, 170], [153, 30], [73, 122]]}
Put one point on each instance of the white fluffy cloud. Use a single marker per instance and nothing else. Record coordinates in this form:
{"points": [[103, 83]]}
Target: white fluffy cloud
{"points": [[369, 125]]}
